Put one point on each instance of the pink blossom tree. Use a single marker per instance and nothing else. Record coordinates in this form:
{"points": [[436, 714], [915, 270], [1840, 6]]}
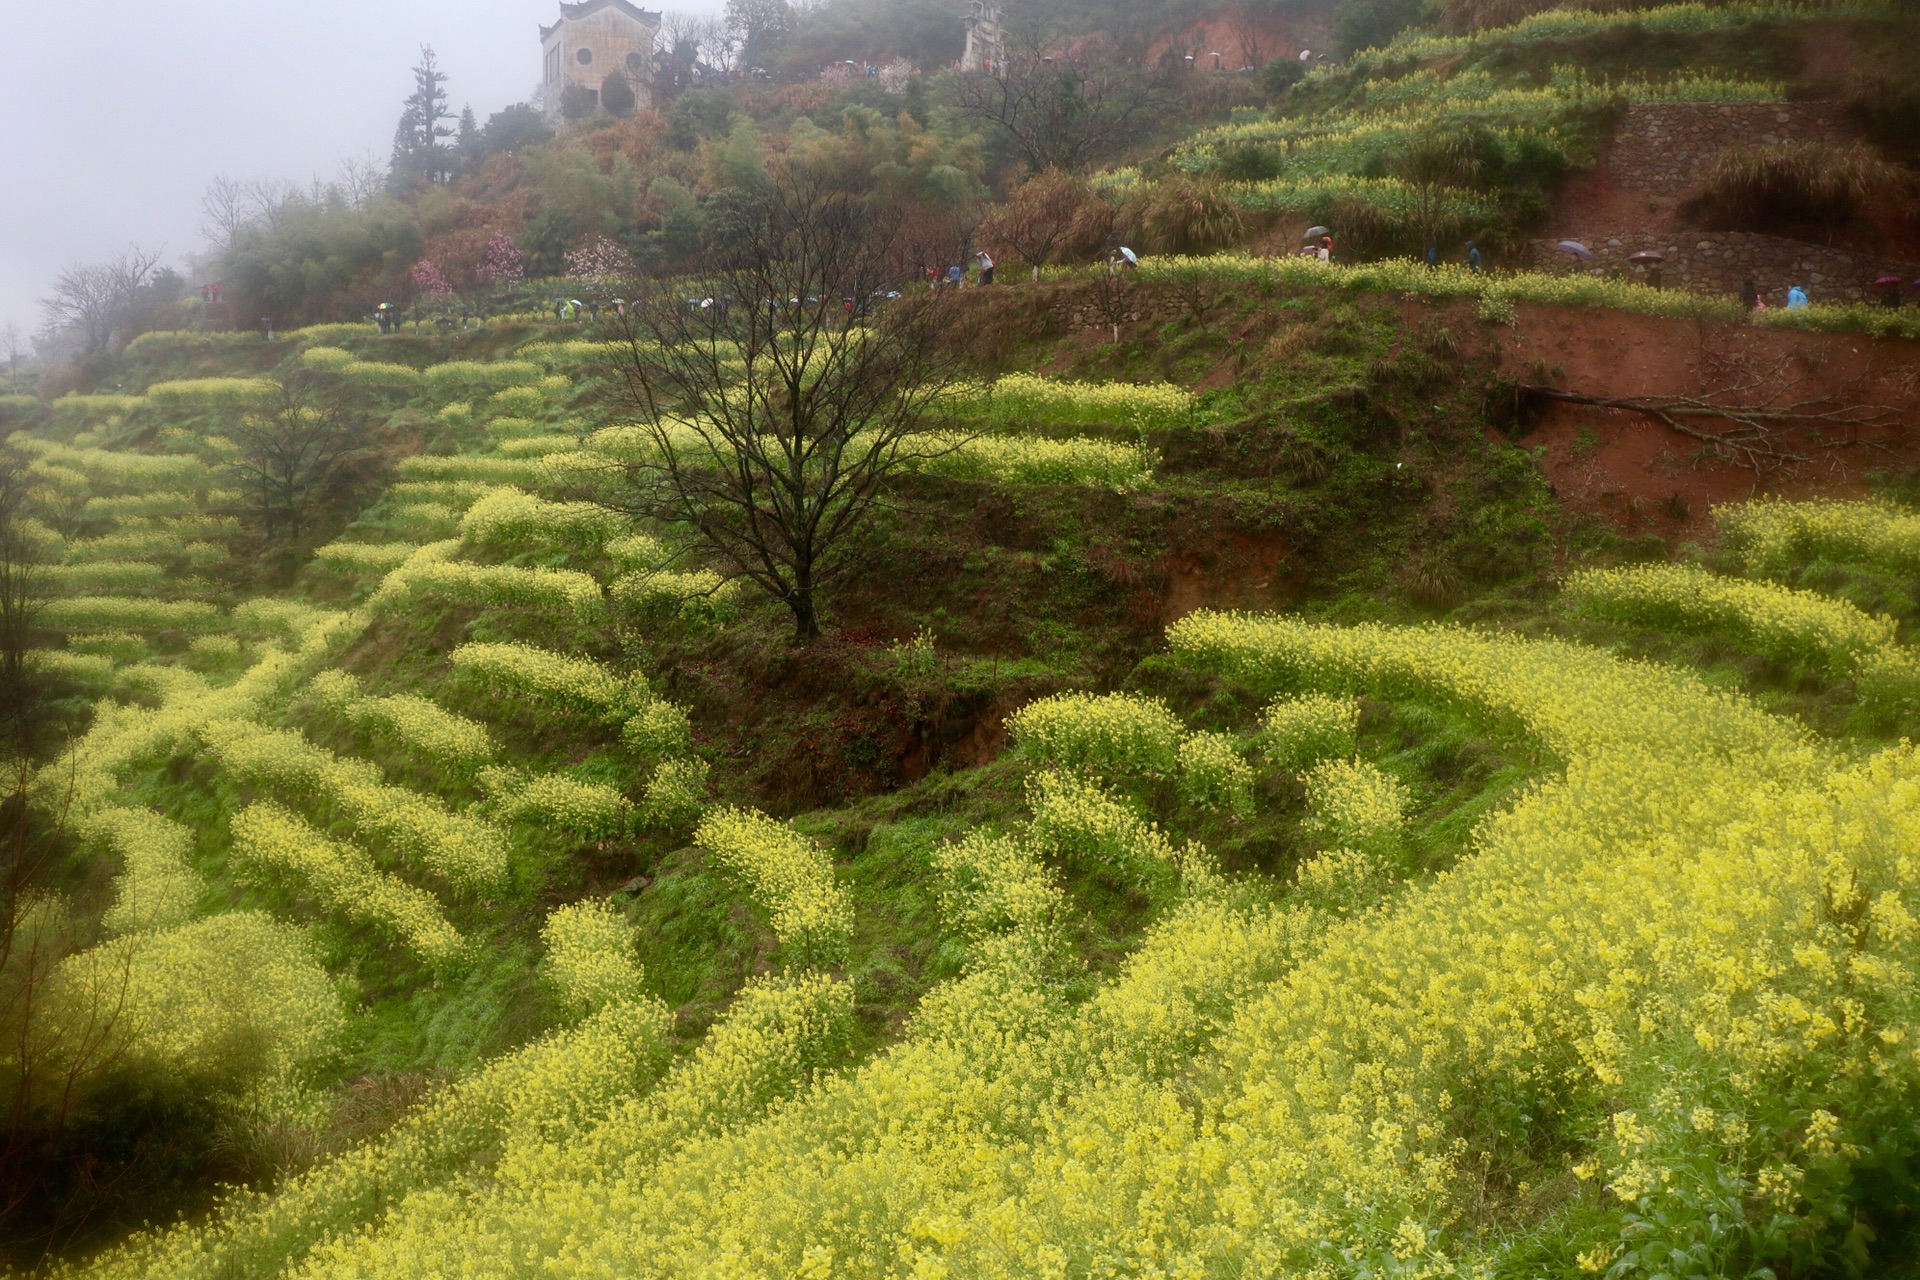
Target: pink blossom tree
{"points": [[429, 282], [500, 261], [601, 262]]}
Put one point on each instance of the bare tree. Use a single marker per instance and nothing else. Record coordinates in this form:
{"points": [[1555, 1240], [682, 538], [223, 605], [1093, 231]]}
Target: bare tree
{"points": [[774, 409], [295, 454], [1051, 215], [13, 345], [361, 180], [92, 299], [225, 208], [1066, 110], [1245, 20], [718, 48]]}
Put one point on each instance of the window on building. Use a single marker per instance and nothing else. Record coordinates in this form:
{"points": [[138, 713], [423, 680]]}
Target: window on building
{"points": [[584, 57], [634, 63], [553, 64]]}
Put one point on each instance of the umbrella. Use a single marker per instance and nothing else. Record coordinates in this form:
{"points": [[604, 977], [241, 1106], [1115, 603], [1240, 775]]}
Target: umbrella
{"points": [[1130, 255], [1575, 248], [1646, 256], [1314, 233], [1884, 281]]}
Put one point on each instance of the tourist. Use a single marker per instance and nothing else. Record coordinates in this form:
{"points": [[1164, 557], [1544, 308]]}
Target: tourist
{"points": [[1749, 296], [956, 276], [1796, 298], [1433, 256], [986, 266], [1473, 257], [266, 328]]}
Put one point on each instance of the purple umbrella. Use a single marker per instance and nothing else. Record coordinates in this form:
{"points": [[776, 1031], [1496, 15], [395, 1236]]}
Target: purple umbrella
{"points": [[1896, 281], [1575, 248], [1647, 256]]}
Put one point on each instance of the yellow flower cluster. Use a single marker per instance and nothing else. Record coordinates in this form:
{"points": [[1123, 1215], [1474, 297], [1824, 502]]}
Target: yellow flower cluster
{"points": [[517, 401], [142, 544], [213, 393], [468, 854], [790, 877], [1213, 774], [364, 557], [1150, 404], [1076, 819], [121, 613], [555, 591], [226, 1001], [552, 1205], [1356, 803], [999, 896], [158, 887], [1112, 735], [590, 957], [468, 468], [445, 739], [584, 810], [455, 495], [1343, 881], [103, 577], [697, 593], [574, 684], [92, 669], [1297, 733], [539, 1095], [1078, 460], [1783, 623], [345, 881], [111, 470], [1772, 534], [458, 377], [660, 728], [514, 519], [675, 793]]}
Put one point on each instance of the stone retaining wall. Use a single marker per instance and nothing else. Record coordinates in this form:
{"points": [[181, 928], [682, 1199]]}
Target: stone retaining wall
{"points": [[1665, 148], [1717, 262]]}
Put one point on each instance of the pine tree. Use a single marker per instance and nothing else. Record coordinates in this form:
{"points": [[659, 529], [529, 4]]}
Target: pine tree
{"points": [[469, 146], [420, 153]]}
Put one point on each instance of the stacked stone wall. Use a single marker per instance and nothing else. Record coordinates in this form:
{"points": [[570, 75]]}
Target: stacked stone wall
{"points": [[1665, 148], [1717, 262]]}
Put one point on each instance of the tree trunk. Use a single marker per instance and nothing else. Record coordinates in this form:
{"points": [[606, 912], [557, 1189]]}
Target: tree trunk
{"points": [[805, 626]]}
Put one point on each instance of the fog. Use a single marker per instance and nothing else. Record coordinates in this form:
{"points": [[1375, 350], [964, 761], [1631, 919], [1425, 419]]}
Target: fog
{"points": [[114, 114]]}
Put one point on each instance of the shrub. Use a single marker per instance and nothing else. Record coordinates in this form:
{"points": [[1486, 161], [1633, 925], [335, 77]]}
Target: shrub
{"points": [[1297, 733], [287, 621], [1183, 215], [590, 957], [1788, 187], [379, 376], [517, 402], [1019, 399], [469, 468], [326, 359], [344, 879], [1114, 735], [790, 878]]}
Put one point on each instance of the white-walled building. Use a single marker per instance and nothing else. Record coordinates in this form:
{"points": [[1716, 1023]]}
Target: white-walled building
{"points": [[602, 48]]}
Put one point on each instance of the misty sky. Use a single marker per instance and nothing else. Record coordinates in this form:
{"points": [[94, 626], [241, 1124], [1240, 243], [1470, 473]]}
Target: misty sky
{"points": [[115, 113]]}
